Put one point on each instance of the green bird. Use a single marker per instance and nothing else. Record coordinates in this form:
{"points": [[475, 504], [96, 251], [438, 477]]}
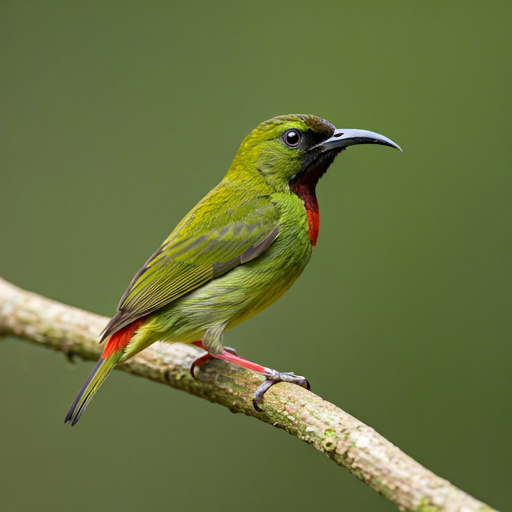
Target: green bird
{"points": [[236, 252]]}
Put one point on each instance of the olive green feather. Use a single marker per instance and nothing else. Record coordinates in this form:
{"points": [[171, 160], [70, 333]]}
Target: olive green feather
{"points": [[191, 257]]}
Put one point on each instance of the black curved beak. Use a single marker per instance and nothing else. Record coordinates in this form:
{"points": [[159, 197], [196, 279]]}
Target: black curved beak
{"points": [[348, 137]]}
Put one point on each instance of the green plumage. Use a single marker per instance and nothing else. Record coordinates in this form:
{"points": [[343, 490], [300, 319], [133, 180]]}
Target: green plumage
{"points": [[198, 280], [189, 258], [236, 252], [236, 293]]}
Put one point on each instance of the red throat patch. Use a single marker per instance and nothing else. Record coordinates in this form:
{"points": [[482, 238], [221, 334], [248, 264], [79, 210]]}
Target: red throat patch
{"points": [[314, 225], [308, 197], [121, 338]]}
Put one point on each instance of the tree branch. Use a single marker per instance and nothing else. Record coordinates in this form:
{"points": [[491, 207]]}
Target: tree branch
{"points": [[344, 439]]}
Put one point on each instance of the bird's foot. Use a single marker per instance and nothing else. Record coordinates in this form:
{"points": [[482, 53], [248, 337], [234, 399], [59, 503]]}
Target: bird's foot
{"points": [[273, 377]]}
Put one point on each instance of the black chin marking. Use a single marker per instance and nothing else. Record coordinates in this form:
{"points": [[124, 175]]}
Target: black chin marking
{"points": [[314, 166]]}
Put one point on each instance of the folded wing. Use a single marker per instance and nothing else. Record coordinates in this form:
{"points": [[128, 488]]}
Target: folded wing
{"points": [[197, 252]]}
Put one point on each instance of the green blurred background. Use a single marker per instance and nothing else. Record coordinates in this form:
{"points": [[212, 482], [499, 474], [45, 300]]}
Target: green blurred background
{"points": [[117, 117]]}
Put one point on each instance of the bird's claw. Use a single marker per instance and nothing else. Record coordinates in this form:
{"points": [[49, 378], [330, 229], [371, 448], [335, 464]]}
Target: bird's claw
{"points": [[200, 361], [273, 377]]}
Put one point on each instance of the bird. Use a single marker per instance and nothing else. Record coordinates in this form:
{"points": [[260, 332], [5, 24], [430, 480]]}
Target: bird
{"points": [[234, 254]]}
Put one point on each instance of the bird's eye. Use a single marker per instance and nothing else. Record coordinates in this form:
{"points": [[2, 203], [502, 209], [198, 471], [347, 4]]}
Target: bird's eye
{"points": [[292, 138]]}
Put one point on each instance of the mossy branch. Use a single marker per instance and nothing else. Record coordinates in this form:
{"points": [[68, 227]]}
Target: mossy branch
{"points": [[344, 439]]}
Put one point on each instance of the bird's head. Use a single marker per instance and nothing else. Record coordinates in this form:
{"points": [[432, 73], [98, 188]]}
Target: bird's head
{"points": [[290, 149]]}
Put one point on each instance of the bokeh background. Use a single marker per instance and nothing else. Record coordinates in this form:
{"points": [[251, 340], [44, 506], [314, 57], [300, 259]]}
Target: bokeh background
{"points": [[117, 117]]}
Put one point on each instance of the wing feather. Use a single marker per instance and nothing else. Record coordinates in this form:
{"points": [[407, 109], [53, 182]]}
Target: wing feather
{"points": [[197, 252]]}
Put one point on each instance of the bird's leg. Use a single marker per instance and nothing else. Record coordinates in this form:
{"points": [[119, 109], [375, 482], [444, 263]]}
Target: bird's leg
{"points": [[200, 361], [271, 376]]}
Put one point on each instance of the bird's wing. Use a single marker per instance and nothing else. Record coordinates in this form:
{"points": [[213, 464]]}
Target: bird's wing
{"points": [[197, 252]]}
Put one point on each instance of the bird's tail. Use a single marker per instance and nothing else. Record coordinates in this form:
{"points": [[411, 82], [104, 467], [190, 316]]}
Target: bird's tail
{"points": [[93, 382], [112, 354]]}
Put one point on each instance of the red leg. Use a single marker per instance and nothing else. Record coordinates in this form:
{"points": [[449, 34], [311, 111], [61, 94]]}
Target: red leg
{"points": [[232, 358]]}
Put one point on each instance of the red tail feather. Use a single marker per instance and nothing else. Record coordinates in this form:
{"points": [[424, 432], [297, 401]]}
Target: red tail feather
{"points": [[121, 338]]}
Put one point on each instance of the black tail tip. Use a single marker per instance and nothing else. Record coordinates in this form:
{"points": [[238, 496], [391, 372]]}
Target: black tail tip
{"points": [[73, 415]]}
